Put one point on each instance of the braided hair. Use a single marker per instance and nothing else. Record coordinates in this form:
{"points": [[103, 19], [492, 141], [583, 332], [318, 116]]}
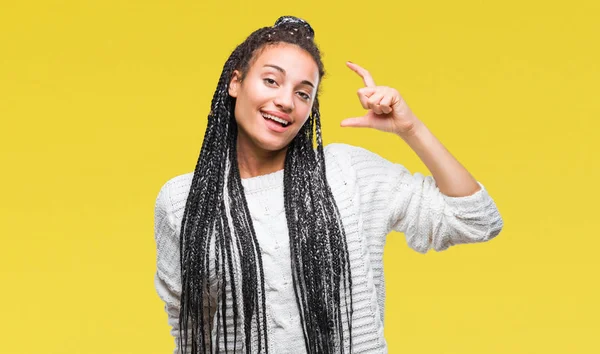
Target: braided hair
{"points": [[217, 219]]}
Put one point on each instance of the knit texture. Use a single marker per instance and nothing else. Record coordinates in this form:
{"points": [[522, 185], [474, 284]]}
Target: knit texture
{"points": [[374, 196]]}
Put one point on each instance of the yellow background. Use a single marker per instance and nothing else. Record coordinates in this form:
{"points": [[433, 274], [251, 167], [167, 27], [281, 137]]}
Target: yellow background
{"points": [[101, 102]]}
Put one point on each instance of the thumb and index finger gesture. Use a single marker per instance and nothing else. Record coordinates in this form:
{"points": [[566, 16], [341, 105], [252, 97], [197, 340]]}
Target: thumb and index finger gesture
{"points": [[387, 111]]}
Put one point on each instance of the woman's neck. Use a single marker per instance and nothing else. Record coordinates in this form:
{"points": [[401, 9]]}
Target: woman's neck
{"points": [[254, 161]]}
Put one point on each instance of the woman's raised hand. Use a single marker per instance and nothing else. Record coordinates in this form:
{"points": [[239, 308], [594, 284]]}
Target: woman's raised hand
{"points": [[388, 111]]}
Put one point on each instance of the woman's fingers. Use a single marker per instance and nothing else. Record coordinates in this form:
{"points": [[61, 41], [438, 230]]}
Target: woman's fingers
{"points": [[357, 122], [386, 109], [364, 93], [363, 73], [386, 103], [379, 99], [374, 102]]}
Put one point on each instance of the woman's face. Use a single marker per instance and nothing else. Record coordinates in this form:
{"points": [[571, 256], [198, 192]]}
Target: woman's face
{"points": [[275, 98]]}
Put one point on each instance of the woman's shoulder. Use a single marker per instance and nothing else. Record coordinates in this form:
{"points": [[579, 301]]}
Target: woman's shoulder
{"points": [[178, 185], [173, 194], [339, 151], [345, 162], [358, 163], [349, 155], [339, 148]]}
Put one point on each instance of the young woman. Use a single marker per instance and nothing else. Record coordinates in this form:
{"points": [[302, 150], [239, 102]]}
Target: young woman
{"points": [[271, 245]]}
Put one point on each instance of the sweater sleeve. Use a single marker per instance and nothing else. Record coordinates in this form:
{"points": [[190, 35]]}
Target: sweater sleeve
{"points": [[167, 279], [413, 204]]}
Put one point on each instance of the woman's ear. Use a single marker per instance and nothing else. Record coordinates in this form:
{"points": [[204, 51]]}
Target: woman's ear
{"points": [[234, 84]]}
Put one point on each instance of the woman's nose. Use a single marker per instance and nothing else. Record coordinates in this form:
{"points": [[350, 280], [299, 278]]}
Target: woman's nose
{"points": [[285, 101]]}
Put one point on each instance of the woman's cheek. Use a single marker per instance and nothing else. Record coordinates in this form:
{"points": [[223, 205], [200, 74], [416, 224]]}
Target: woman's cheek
{"points": [[262, 90]]}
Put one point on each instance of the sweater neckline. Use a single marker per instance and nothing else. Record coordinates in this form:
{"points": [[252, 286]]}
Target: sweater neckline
{"points": [[262, 182]]}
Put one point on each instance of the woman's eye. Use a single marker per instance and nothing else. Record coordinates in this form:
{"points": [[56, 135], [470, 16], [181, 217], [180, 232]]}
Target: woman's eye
{"points": [[304, 95], [269, 81]]}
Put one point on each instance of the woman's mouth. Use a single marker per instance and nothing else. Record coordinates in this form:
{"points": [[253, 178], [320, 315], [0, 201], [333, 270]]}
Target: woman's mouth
{"points": [[281, 121], [275, 123]]}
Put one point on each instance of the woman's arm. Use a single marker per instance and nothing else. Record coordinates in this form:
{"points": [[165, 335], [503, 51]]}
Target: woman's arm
{"points": [[434, 212], [450, 176], [167, 280], [389, 112]]}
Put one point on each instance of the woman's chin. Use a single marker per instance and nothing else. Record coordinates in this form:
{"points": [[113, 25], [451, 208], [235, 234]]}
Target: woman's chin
{"points": [[265, 144], [273, 145]]}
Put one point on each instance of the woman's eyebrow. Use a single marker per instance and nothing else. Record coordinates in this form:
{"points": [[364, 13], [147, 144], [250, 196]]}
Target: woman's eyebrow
{"points": [[278, 68]]}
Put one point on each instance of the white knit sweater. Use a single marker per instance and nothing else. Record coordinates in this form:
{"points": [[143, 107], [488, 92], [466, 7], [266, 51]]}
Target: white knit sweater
{"points": [[374, 197]]}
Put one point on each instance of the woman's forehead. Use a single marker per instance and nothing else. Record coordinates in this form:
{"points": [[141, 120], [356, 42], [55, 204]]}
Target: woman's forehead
{"points": [[294, 61]]}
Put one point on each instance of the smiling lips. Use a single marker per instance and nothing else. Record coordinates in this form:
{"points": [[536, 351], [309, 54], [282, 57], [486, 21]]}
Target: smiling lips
{"points": [[276, 121]]}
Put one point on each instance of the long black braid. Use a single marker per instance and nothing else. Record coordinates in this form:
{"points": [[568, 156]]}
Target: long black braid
{"points": [[217, 212]]}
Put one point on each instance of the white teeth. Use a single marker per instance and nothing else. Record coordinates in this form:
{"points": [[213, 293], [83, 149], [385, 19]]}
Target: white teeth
{"points": [[277, 119]]}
